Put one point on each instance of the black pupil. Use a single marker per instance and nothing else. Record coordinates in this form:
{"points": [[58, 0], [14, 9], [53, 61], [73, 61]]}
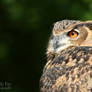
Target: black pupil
{"points": [[73, 33]]}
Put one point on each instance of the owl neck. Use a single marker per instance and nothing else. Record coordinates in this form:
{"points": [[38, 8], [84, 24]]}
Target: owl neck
{"points": [[52, 55]]}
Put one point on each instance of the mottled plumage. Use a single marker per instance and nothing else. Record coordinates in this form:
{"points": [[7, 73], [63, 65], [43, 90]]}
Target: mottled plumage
{"points": [[69, 65]]}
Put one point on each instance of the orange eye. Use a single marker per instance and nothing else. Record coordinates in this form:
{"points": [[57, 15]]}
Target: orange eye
{"points": [[73, 34]]}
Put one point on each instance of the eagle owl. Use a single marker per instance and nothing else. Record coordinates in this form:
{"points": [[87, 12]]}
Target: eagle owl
{"points": [[69, 58]]}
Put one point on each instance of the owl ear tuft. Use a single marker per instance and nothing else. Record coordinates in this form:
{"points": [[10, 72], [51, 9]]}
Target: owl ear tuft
{"points": [[89, 25]]}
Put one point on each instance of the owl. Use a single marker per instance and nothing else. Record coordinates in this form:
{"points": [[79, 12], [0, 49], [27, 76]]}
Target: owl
{"points": [[69, 58]]}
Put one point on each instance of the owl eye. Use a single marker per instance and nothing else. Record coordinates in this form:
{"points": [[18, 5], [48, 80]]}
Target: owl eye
{"points": [[73, 34]]}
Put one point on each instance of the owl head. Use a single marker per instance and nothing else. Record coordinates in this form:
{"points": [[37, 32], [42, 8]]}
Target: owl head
{"points": [[69, 33]]}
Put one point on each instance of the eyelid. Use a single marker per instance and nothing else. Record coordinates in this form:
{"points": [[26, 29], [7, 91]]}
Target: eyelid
{"points": [[77, 30]]}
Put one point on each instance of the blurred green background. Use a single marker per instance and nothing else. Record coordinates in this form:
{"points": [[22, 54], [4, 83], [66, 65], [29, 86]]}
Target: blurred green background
{"points": [[25, 27]]}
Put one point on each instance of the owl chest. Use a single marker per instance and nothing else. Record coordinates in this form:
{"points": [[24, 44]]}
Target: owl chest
{"points": [[70, 79]]}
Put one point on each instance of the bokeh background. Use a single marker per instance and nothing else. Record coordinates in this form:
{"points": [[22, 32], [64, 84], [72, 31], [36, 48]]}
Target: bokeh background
{"points": [[25, 27]]}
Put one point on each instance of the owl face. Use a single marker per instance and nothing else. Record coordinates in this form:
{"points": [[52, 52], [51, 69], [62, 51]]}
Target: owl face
{"points": [[68, 33]]}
